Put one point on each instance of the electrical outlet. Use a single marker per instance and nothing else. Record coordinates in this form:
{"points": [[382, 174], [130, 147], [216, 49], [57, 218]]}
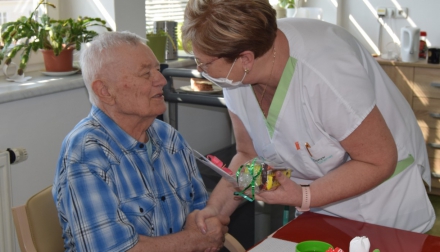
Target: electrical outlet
{"points": [[402, 13], [381, 12]]}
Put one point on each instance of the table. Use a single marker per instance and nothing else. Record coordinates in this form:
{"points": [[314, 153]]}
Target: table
{"points": [[339, 232]]}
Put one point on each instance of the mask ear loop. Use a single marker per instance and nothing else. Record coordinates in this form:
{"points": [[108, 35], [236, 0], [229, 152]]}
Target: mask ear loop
{"points": [[245, 72], [230, 70]]}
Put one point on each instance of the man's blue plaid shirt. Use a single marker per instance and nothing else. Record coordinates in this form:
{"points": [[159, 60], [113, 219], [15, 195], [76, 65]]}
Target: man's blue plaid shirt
{"points": [[108, 190]]}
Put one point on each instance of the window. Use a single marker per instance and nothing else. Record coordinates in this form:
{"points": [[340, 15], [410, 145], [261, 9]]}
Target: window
{"points": [[163, 10], [12, 10], [3, 17]]}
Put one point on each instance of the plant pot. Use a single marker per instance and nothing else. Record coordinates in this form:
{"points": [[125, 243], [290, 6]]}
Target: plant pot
{"points": [[157, 44], [281, 12], [290, 12], [61, 63]]}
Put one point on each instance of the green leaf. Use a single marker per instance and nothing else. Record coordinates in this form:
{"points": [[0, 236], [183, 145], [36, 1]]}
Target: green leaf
{"points": [[28, 34], [287, 3]]}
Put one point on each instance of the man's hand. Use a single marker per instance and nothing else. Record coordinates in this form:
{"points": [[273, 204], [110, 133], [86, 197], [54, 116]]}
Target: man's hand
{"points": [[204, 214], [215, 229], [189, 239], [216, 232]]}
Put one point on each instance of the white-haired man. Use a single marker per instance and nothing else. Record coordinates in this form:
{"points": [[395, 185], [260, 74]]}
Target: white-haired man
{"points": [[126, 181]]}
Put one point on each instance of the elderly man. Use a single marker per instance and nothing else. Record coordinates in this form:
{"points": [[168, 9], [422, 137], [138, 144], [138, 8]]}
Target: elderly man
{"points": [[126, 181]]}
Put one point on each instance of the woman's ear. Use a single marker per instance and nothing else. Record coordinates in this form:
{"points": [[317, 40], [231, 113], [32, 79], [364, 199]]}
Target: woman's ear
{"points": [[100, 88], [247, 59]]}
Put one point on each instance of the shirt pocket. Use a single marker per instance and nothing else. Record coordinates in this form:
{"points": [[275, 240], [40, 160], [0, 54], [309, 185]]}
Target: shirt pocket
{"points": [[322, 157], [140, 212], [185, 194]]}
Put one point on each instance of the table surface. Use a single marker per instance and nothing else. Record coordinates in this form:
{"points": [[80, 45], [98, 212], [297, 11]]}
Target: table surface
{"points": [[339, 232]]}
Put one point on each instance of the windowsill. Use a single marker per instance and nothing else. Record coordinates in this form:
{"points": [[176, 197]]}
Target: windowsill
{"points": [[42, 85], [37, 86]]}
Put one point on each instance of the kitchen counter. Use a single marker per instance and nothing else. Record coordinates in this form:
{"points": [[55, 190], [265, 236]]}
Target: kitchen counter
{"points": [[42, 85], [420, 63]]}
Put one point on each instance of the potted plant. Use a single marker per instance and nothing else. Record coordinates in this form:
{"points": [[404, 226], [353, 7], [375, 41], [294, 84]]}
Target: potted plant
{"points": [[157, 43], [59, 36], [289, 5]]}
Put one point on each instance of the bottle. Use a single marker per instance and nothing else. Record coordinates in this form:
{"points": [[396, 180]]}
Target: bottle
{"points": [[423, 49]]}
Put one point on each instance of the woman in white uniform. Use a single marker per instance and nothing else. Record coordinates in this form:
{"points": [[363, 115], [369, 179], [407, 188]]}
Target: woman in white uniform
{"points": [[305, 95]]}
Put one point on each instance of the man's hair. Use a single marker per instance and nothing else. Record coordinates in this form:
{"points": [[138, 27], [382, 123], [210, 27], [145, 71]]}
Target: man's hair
{"points": [[94, 55]]}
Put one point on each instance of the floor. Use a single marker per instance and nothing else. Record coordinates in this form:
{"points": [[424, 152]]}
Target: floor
{"points": [[435, 200]]}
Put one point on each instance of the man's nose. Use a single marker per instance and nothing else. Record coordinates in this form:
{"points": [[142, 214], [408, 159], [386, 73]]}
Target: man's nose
{"points": [[160, 79]]}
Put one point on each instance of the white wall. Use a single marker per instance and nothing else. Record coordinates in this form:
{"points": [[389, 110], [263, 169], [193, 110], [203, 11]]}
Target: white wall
{"points": [[39, 125], [422, 14]]}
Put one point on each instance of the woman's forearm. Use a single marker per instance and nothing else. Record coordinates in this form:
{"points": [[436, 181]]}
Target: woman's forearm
{"points": [[222, 198]]}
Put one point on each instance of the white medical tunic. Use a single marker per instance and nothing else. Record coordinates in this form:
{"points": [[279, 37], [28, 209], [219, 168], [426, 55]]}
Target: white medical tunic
{"points": [[330, 84]]}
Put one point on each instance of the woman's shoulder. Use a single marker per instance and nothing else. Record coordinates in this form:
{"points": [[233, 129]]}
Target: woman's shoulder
{"points": [[317, 41]]}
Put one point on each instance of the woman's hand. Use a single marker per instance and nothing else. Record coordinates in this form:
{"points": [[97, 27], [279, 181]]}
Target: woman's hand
{"points": [[214, 236], [288, 193], [204, 214]]}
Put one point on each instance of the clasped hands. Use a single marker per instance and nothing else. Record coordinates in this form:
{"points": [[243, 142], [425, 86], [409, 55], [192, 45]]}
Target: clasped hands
{"points": [[281, 195], [212, 236]]}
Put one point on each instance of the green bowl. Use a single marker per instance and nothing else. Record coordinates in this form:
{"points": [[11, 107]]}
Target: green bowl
{"points": [[313, 246]]}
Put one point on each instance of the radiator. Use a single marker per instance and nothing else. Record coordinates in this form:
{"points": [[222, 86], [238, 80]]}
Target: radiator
{"points": [[7, 231]]}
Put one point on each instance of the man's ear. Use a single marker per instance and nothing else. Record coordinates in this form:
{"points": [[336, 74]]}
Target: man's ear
{"points": [[247, 59], [100, 88]]}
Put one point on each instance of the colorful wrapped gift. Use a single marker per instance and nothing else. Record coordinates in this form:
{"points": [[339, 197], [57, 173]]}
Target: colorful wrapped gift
{"points": [[257, 175]]}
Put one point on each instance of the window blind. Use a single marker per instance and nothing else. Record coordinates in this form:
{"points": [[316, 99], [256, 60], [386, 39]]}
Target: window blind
{"points": [[163, 10], [3, 17]]}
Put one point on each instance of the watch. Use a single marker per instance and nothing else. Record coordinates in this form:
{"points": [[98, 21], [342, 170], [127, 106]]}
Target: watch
{"points": [[305, 205]]}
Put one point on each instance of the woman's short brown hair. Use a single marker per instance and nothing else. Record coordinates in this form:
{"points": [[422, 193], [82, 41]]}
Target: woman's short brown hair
{"points": [[226, 28]]}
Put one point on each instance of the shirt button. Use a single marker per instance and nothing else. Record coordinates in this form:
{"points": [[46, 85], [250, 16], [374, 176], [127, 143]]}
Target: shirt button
{"points": [[141, 146], [141, 210], [171, 230], [163, 198], [191, 194]]}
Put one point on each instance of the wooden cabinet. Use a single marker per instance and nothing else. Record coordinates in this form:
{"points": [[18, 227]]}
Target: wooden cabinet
{"points": [[403, 77], [419, 83]]}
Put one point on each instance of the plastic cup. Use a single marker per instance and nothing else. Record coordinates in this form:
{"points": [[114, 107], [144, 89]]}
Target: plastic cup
{"points": [[313, 246]]}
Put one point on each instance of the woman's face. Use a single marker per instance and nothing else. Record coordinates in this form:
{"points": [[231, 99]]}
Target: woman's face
{"points": [[217, 67]]}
